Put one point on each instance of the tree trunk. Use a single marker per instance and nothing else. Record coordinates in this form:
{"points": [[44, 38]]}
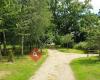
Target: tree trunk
{"points": [[30, 46], [99, 54], [0, 54], [4, 43], [22, 52]]}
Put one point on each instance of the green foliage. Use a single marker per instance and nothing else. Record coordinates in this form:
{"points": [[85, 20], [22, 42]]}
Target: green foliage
{"points": [[10, 56], [24, 18], [73, 16], [64, 41], [35, 21], [50, 37], [67, 40], [81, 45], [57, 40], [94, 39]]}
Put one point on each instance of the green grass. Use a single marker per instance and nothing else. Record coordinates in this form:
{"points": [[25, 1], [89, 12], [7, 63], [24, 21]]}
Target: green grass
{"points": [[10, 46], [21, 69], [67, 50], [86, 69]]}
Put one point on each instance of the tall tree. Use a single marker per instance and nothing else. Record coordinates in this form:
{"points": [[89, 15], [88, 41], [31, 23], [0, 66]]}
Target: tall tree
{"points": [[34, 19], [40, 22], [68, 16], [8, 11]]}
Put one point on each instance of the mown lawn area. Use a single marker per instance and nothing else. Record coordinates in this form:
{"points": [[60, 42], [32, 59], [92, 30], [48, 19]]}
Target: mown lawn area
{"points": [[67, 50], [21, 69], [86, 69]]}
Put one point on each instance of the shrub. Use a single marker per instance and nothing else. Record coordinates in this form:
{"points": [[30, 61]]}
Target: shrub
{"points": [[86, 46], [81, 45], [67, 41], [57, 40], [94, 42], [10, 56], [92, 46]]}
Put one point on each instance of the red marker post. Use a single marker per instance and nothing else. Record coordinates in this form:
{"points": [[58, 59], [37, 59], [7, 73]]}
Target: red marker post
{"points": [[35, 54]]}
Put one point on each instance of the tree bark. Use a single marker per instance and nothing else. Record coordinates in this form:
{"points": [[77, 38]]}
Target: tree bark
{"points": [[22, 52], [99, 54], [4, 43], [0, 54]]}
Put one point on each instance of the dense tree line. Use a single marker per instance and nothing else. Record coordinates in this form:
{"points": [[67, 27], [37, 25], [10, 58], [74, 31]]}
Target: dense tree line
{"points": [[75, 18], [23, 23], [34, 23]]}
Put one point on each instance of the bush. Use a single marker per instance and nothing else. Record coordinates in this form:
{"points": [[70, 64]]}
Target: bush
{"points": [[81, 45], [10, 56], [86, 46], [57, 40], [64, 41], [94, 42], [67, 41], [92, 46], [17, 49]]}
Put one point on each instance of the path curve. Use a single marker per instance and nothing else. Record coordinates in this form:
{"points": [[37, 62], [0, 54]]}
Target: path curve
{"points": [[56, 67]]}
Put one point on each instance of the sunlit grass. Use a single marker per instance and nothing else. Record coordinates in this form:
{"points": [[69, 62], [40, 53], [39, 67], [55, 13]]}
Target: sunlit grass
{"points": [[86, 68], [22, 69], [67, 50]]}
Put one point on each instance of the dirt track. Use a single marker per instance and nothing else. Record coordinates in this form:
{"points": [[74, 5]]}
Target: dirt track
{"points": [[56, 67]]}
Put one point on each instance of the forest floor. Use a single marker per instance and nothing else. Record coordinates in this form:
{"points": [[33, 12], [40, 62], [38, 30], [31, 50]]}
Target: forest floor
{"points": [[57, 66]]}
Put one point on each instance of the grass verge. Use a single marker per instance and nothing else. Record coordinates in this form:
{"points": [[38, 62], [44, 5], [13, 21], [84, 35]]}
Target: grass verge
{"points": [[86, 69], [21, 69], [67, 50]]}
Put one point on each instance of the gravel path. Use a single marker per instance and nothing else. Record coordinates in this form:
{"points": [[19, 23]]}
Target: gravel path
{"points": [[56, 67], [4, 74]]}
